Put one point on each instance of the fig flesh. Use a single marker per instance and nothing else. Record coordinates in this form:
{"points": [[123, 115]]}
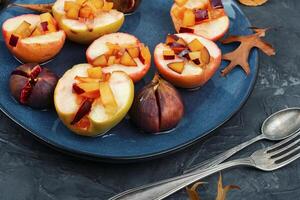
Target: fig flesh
{"points": [[32, 85], [158, 107]]}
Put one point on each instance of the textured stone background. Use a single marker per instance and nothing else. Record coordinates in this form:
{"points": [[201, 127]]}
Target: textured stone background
{"points": [[30, 170]]}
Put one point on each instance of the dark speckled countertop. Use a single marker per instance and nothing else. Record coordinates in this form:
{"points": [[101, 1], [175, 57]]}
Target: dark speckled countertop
{"points": [[30, 170]]}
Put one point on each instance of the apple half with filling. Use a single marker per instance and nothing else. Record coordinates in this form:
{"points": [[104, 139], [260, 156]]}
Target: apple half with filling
{"points": [[33, 38], [206, 18], [90, 102], [120, 52], [86, 20], [187, 60]]}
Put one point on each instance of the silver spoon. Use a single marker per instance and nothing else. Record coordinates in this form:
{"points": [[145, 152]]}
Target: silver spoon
{"points": [[277, 126]]}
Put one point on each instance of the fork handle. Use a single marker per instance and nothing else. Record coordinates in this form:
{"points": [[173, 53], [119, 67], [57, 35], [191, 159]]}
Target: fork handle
{"points": [[223, 156], [162, 189]]}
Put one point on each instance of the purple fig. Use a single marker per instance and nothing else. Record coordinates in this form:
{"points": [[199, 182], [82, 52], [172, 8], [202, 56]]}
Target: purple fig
{"points": [[157, 107], [32, 85]]}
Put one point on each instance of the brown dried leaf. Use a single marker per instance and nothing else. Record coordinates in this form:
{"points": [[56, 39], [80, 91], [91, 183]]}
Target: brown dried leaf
{"points": [[239, 57], [35, 7], [192, 192], [222, 191], [253, 2]]}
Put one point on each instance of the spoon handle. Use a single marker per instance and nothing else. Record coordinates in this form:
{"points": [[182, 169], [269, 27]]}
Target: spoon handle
{"points": [[223, 156]]}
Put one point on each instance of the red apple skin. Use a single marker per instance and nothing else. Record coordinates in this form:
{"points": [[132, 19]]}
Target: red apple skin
{"points": [[190, 81], [177, 25], [33, 52], [135, 76]]}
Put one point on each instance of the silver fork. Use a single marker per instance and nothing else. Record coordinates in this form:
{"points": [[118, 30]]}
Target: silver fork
{"points": [[266, 159]]}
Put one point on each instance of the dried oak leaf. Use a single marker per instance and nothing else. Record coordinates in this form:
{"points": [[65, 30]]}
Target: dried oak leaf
{"points": [[192, 192], [239, 57], [253, 2], [222, 191]]}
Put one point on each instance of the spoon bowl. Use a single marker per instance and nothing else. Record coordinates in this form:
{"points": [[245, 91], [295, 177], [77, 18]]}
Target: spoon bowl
{"points": [[278, 126], [281, 124]]}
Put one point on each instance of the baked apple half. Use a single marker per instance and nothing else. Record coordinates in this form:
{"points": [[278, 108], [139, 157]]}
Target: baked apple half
{"points": [[86, 20], [90, 102], [33, 38], [187, 60], [206, 18], [120, 52]]}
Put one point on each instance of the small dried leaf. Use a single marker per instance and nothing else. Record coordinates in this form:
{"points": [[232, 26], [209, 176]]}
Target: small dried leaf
{"points": [[222, 191], [253, 2], [35, 7], [239, 57], [192, 192]]}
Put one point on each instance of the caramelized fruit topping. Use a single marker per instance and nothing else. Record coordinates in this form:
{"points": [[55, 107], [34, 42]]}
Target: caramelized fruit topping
{"points": [[193, 51], [84, 109], [177, 66], [25, 29], [168, 54], [86, 9], [171, 39], [89, 90], [190, 17], [124, 55]]}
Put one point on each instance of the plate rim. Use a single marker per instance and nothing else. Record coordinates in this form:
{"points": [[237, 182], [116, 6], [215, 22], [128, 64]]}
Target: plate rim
{"points": [[130, 159]]}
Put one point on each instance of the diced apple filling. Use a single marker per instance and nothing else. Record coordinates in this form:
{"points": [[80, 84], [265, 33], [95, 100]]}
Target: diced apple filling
{"points": [[95, 72], [169, 54], [107, 98], [189, 52], [127, 60], [190, 16], [96, 89], [123, 54], [86, 9], [25, 29], [177, 66], [171, 39]]}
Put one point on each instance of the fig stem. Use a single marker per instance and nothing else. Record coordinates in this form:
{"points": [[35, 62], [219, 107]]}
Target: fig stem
{"points": [[156, 79]]}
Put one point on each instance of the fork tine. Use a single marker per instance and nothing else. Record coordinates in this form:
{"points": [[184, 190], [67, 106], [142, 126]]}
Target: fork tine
{"points": [[283, 141], [274, 153], [287, 154], [288, 161]]}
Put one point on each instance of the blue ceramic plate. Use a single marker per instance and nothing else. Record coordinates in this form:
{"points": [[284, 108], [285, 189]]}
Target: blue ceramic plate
{"points": [[206, 108]]}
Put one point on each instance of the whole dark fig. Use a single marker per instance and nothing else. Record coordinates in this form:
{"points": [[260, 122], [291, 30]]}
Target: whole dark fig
{"points": [[157, 107], [32, 85]]}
